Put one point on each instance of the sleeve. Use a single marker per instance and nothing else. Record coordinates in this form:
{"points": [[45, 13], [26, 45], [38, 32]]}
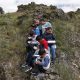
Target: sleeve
{"points": [[37, 31], [45, 63], [45, 44], [53, 37], [36, 53], [44, 36], [49, 24]]}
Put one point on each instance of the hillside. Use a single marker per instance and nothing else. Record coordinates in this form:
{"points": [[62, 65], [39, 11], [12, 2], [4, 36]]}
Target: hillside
{"points": [[14, 28]]}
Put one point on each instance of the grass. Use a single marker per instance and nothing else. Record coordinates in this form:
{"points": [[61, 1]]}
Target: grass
{"points": [[13, 38], [65, 72], [10, 38]]}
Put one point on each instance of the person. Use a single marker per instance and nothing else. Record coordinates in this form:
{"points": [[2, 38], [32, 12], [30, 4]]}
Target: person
{"points": [[33, 36], [31, 48], [43, 64], [48, 35], [32, 59], [45, 24], [39, 26], [31, 41], [35, 29], [43, 42], [35, 55]]}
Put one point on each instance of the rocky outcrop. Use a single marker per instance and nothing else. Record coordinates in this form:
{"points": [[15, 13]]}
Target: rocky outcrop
{"points": [[59, 13], [78, 10], [52, 11], [71, 14]]}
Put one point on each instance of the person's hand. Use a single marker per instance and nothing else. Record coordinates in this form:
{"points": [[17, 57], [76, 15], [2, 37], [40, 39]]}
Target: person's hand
{"points": [[35, 48], [33, 56], [37, 62]]}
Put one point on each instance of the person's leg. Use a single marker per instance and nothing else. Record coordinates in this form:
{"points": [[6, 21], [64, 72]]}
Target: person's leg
{"points": [[41, 70], [53, 52], [29, 62], [29, 58], [33, 61], [29, 54]]}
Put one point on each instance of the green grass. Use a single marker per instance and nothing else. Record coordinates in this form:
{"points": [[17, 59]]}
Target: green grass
{"points": [[65, 72], [10, 38], [13, 38]]}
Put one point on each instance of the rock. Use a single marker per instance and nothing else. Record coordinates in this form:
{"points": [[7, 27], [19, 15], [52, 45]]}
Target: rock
{"points": [[78, 10], [71, 14], [53, 7], [52, 77], [2, 73], [59, 13]]}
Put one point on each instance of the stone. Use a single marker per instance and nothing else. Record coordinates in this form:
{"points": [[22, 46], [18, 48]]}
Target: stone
{"points": [[52, 77]]}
